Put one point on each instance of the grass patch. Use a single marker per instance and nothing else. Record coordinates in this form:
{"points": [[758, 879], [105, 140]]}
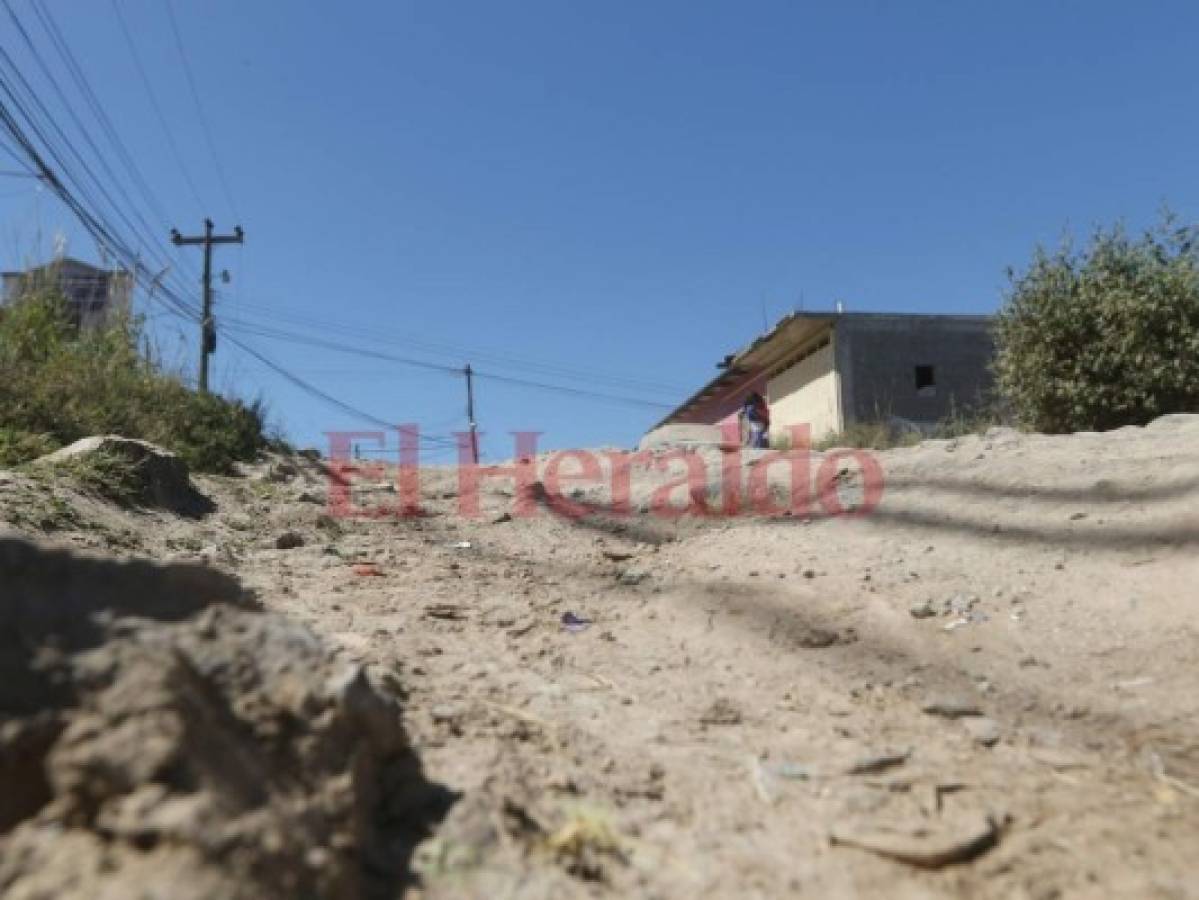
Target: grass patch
{"points": [[39, 508], [886, 434], [58, 385], [582, 842], [870, 436], [105, 475], [18, 446]]}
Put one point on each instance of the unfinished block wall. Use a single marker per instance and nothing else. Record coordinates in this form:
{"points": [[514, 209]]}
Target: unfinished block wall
{"points": [[878, 357]]}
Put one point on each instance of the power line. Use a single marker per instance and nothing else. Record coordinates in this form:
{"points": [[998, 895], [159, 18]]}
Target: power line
{"points": [[576, 392], [327, 398], [292, 337], [85, 89], [461, 352], [37, 56], [50, 26], [107, 237], [162, 120], [145, 238], [93, 221], [15, 157], [281, 334], [91, 214], [195, 92]]}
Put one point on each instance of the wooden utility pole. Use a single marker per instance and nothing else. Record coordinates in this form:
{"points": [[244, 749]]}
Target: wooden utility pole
{"points": [[207, 325], [470, 413]]}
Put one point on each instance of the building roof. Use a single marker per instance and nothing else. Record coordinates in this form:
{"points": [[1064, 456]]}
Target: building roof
{"points": [[65, 262], [790, 335]]}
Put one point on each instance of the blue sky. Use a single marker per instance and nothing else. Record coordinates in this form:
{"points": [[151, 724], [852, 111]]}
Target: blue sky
{"points": [[622, 189]]}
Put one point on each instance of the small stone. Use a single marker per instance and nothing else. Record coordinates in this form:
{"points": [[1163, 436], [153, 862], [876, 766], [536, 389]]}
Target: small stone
{"points": [[985, 731], [722, 711], [951, 707], [960, 604], [623, 555], [632, 577], [809, 573], [878, 762], [289, 540], [922, 609]]}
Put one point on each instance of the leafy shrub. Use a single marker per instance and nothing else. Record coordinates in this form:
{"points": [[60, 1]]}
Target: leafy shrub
{"points": [[57, 386], [1105, 337]]}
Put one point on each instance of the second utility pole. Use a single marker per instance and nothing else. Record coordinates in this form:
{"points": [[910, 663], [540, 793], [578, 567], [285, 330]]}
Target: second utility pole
{"points": [[207, 326], [470, 414]]}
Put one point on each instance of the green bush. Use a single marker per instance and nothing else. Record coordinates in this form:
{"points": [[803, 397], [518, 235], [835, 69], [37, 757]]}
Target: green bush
{"points": [[1106, 337], [57, 386]]}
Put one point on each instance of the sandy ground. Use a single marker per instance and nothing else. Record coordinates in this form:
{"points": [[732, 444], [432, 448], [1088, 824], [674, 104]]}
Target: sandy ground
{"points": [[984, 688]]}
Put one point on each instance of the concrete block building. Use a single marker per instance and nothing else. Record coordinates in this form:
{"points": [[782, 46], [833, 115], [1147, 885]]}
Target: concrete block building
{"points": [[830, 370], [93, 295]]}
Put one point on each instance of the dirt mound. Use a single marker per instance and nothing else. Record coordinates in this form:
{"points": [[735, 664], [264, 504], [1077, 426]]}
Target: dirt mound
{"points": [[159, 736], [149, 475]]}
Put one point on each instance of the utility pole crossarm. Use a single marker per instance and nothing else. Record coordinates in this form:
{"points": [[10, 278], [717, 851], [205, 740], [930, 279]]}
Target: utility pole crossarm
{"points": [[207, 327]]}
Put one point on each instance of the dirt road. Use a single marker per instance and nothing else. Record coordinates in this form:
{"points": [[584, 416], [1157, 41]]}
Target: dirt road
{"points": [[984, 688]]}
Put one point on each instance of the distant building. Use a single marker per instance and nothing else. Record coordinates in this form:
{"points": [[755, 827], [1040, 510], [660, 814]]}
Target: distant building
{"points": [[94, 296], [830, 370]]}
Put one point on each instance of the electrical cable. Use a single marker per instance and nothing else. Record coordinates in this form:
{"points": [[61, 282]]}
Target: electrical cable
{"points": [[162, 120], [442, 348], [292, 337], [195, 94]]}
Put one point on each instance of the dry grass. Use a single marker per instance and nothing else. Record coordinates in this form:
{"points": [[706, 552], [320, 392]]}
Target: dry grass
{"points": [[57, 386]]}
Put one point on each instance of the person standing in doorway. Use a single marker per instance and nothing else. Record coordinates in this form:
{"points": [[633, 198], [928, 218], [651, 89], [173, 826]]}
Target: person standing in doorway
{"points": [[755, 417]]}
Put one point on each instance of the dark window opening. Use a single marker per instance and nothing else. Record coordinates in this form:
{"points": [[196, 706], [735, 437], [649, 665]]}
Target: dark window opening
{"points": [[926, 381]]}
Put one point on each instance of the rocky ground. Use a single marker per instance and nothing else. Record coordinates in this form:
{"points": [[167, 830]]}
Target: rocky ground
{"points": [[984, 687]]}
